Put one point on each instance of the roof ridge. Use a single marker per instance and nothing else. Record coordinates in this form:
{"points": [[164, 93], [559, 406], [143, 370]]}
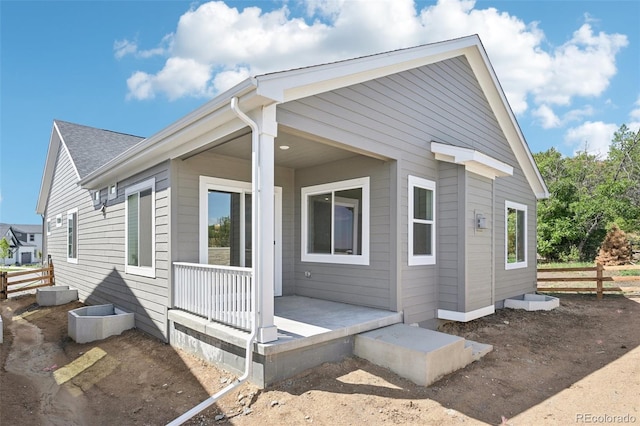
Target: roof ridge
{"points": [[97, 128]]}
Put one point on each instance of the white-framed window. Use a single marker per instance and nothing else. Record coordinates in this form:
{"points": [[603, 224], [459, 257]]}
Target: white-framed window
{"points": [[72, 236], [112, 192], [96, 198], [49, 226], [515, 235], [225, 222], [422, 220], [32, 238], [335, 222], [140, 224], [59, 220]]}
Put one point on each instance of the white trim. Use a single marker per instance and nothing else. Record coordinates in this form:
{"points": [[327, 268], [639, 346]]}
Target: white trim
{"points": [[474, 161], [70, 214], [517, 206], [465, 316], [422, 259], [48, 226], [145, 271], [112, 195], [350, 259]]}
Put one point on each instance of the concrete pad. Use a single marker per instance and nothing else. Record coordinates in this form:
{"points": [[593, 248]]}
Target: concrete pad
{"points": [[56, 295], [420, 355]]}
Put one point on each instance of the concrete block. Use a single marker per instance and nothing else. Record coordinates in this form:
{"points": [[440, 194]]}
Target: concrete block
{"points": [[420, 355], [532, 302], [56, 295], [98, 322]]}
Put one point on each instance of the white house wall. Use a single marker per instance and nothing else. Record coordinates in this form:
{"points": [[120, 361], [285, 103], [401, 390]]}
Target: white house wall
{"points": [[99, 274], [397, 117]]}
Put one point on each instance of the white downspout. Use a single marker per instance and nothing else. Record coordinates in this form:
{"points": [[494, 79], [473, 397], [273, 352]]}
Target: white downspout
{"points": [[248, 366]]}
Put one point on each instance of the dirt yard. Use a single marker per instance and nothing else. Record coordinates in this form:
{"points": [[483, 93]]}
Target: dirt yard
{"points": [[577, 364]]}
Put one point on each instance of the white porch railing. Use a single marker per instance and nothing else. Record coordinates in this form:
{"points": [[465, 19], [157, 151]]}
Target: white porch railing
{"points": [[218, 293]]}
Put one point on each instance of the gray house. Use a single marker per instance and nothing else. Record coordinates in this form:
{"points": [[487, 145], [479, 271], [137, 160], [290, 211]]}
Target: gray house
{"points": [[394, 187], [25, 243]]}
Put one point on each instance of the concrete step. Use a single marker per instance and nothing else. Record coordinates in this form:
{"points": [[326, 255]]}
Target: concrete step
{"points": [[420, 355]]}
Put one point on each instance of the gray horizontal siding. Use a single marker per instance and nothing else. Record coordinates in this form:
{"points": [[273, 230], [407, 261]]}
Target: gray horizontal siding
{"points": [[357, 284], [397, 117], [99, 274], [450, 260], [188, 208]]}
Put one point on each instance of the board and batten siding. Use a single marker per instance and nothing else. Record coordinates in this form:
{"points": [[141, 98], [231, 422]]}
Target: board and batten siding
{"points": [[188, 209], [99, 274], [367, 285], [397, 117]]}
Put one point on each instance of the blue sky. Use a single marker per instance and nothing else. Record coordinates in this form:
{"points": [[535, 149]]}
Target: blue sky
{"points": [[570, 69]]}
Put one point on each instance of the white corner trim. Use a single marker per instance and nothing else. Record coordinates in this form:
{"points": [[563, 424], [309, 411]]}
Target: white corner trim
{"points": [[465, 316], [474, 161]]}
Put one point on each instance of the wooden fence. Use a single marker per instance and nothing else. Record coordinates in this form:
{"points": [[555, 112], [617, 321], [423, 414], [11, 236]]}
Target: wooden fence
{"points": [[44, 277], [599, 278]]}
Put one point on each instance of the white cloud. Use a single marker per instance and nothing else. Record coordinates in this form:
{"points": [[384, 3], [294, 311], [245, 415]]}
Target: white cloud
{"points": [[635, 113], [593, 137], [548, 119], [231, 44], [126, 47]]}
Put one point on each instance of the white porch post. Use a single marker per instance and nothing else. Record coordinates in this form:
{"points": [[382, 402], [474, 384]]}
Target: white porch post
{"points": [[263, 220]]}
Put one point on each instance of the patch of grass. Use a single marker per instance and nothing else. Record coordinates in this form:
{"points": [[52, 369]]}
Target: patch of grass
{"points": [[630, 273], [566, 265]]}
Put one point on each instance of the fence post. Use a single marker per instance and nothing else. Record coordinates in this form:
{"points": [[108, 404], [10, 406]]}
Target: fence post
{"points": [[52, 279], [3, 285], [599, 280]]}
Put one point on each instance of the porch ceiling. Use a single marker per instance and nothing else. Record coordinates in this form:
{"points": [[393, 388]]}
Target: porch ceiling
{"points": [[303, 152]]}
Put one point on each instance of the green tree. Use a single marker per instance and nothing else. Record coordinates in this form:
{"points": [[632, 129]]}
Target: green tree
{"points": [[220, 232], [586, 195], [5, 250]]}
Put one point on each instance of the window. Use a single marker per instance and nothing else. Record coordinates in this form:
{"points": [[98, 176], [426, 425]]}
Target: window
{"points": [[58, 221], [96, 198], [516, 235], [140, 229], [72, 236], [422, 233], [335, 222], [225, 222], [48, 226], [112, 192], [32, 238]]}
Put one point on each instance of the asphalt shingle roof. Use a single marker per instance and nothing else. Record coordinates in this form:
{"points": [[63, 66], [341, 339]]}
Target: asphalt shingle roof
{"points": [[91, 148]]}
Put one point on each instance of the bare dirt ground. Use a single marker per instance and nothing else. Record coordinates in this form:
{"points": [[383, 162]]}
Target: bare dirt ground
{"points": [[576, 364]]}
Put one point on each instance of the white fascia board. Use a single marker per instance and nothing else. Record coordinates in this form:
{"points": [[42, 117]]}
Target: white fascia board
{"points": [[492, 89], [55, 143], [465, 316], [474, 161], [295, 84], [199, 128]]}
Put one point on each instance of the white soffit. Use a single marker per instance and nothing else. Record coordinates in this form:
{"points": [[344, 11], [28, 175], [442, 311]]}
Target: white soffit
{"points": [[474, 161]]}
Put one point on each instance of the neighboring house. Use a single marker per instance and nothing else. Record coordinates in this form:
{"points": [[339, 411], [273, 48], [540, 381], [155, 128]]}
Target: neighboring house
{"points": [[25, 243], [399, 181]]}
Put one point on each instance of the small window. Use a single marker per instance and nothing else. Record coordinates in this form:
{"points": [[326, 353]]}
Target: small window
{"points": [[112, 192], [49, 226], [516, 235], [140, 229], [422, 217], [335, 222], [59, 221], [96, 198], [32, 238], [72, 236]]}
